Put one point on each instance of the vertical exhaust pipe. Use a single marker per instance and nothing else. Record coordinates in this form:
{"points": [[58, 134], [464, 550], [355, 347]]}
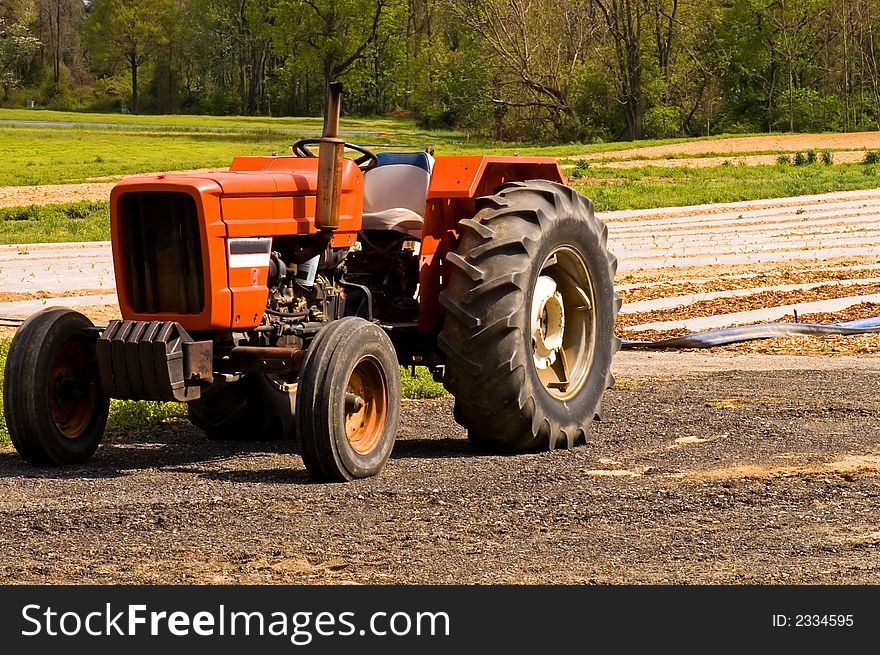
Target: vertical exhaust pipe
{"points": [[330, 153]]}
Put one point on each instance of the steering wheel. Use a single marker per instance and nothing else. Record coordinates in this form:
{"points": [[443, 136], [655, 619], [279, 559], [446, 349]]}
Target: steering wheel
{"points": [[365, 162]]}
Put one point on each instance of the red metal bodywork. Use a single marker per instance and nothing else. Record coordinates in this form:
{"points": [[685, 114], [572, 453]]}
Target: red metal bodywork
{"points": [[456, 182], [257, 197], [275, 196]]}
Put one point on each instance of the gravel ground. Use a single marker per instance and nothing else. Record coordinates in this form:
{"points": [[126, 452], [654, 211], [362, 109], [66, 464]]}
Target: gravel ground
{"points": [[718, 467], [707, 469]]}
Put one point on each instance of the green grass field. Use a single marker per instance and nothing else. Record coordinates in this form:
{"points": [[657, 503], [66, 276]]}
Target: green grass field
{"points": [[37, 153], [74, 221], [91, 152], [57, 156], [655, 186], [44, 154], [197, 122]]}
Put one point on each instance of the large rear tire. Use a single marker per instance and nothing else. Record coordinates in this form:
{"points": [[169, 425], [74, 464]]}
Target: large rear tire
{"points": [[254, 408], [530, 312], [55, 408], [348, 401]]}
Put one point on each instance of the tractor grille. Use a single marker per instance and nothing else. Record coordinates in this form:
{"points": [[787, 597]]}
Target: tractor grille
{"points": [[163, 253]]}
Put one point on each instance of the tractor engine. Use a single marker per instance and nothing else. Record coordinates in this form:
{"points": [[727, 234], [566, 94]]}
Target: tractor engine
{"points": [[302, 286], [387, 266], [378, 279]]}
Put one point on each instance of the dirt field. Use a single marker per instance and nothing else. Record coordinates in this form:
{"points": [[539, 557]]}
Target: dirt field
{"points": [[707, 469], [772, 143], [47, 194]]}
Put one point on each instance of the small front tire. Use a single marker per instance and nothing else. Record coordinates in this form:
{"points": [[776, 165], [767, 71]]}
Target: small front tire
{"points": [[348, 401], [55, 408]]}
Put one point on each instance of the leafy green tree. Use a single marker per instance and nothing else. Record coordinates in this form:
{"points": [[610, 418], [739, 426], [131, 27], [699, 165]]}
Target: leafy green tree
{"points": [[379, 78], [16, 46], [536, 47], [334, 34], [126, 31], [798, 26], [626, 21], [775, 49], [237, 47], [58, 24]]}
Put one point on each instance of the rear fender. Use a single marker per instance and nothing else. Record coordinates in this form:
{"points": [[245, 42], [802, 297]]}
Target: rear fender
{"points": [[456, 182]]}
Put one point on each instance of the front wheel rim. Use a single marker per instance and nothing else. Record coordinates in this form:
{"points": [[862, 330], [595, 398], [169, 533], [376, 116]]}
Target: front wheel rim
{"points": [[562, 323], [365, 406], [72, 390]]}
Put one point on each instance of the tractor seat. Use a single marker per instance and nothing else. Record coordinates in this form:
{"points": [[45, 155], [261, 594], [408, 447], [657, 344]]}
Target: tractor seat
{"points": [[396, 192]]}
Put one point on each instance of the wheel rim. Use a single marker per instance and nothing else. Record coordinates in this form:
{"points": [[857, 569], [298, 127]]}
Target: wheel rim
{"points": [[366, 406], [563, 316], [73, 393]]}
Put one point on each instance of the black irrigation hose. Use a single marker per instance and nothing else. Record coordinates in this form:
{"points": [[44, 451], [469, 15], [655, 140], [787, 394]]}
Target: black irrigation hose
{"points": [[15, 321], [11, 321], [740, 334]]}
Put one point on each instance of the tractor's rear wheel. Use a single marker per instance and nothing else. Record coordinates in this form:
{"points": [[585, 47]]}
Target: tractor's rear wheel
{"points": [[254, 408], [348, 401], [55, 409], [530, 312]]}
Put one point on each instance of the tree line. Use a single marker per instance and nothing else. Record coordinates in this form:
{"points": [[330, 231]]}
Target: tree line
{"points": [[550, 70]]}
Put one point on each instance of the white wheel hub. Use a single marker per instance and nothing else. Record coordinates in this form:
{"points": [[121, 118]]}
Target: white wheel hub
{"points": [[548, 321]]}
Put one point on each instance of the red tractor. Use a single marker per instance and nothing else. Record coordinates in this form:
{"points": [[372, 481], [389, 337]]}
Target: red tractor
{"points": [[279, 299]]}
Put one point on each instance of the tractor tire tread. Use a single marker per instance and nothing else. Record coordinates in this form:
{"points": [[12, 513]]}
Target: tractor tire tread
{"points": [[487, 369]]}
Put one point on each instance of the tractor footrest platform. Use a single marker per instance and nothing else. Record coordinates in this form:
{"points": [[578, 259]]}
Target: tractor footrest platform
{"points": [[153, 360]]}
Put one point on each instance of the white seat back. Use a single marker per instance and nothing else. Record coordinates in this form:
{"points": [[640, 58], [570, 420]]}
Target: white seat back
{"points": [[396, 186]]}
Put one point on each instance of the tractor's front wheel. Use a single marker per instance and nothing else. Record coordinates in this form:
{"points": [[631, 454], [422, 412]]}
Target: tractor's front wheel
{"points": [[530, 311], [348, 401], [55, 409]]}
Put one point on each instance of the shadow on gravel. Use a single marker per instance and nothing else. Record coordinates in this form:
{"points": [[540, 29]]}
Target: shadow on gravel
{"points": [[280, 476], [13, 466], [179, 447], [434, 449], [170, 448]]}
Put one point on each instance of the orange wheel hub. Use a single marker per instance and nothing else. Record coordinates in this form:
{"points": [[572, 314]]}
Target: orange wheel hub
{"points": [[366, 406], [72, 391]]}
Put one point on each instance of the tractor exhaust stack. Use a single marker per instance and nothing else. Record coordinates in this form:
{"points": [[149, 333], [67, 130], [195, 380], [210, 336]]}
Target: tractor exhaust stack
{"points": [[330, 153]]}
